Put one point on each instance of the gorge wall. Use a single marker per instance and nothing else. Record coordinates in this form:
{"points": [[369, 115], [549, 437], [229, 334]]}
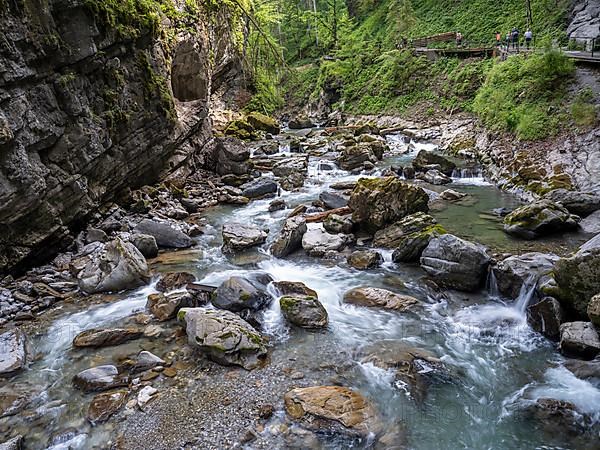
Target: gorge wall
{"points": [[90, 109]]}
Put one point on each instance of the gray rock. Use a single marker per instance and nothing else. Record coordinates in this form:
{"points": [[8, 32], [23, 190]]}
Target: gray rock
{"points": [[290, 166], [290, 237], [170, 281], [232, 157], [224, 337], [593, 310], [294, 288], [165, 233], [239, 236], [100, 378], [579, 203], [435, 177], [146, 244], [426, 160], [585, 370], [114, 267], [146, 361], [539, 218], [365, 259], [579, 339], [546, 317], [356, 156], [513, 272], [455, 263], [239, 294], [317, 242], [15, 443], [106, 337], [591, 224], [336, 224], [451, 195], [300, 122], [331, 200], [304, 311], [578, 277], [259, 187], [95, 235], [380, 298], [277, 205], [13, 352]]}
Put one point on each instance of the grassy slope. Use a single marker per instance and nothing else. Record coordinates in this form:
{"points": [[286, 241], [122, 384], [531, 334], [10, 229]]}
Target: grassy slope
{"points": [[515, 96]]}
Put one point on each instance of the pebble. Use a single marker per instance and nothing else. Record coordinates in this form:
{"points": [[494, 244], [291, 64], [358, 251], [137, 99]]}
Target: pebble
{"points": [[145, 395]]}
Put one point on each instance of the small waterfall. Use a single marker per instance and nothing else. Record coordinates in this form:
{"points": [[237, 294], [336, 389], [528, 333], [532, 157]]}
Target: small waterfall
{"points": [[469, 175], [526, 294], [491, 285]]}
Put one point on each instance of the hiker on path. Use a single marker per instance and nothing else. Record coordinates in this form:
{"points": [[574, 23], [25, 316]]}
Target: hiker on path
{"points": [[528, 38], [508, 38], [459, 38], [498, 39], [515, 38]]}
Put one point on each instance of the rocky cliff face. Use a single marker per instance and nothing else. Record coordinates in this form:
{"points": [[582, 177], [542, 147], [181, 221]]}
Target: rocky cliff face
{"points": [[86, 113]]}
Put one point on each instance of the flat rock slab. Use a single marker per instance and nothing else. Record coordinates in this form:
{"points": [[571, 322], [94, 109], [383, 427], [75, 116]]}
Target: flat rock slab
{"points": [[380, 298], [106, 337], [13, 352]]}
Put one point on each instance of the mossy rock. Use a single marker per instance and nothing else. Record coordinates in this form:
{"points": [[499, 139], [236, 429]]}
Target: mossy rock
{"points": [[240, 129], [264, 123], [304, 311]]}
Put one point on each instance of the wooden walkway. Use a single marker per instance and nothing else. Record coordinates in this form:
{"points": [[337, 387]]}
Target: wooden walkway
{"points": [[461, 52], [576, 56]]}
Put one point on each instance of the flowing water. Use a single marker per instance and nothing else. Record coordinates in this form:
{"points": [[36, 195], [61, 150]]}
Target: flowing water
{"points": [[497, 363]]}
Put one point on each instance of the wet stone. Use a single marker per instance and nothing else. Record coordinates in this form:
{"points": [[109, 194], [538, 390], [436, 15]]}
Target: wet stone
{"points": [[100, 378], [104, 405], [106, 337]]}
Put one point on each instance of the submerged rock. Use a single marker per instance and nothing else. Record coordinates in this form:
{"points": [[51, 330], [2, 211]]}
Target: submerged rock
{"points": [[13, 352], [332, 409], [376, 203], [224, 337], [100, 378], [578, 277], [106, 337], [515, 271], [290, 237], [455, 263], [365, 259], [539, 218], [238, 236], [546, 317], [114, 267], [165, 233], [104, 405], [579, 339], [304, 311], [557, 416], [380, 298], [426, 160]]}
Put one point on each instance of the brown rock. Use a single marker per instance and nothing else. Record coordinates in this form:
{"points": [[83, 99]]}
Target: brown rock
{"points": [[381, 298], [174, 280], [104, 405], [106, 337]]}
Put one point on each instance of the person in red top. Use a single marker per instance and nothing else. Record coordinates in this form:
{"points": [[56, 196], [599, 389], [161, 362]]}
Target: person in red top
{"points": [[498, 39]]}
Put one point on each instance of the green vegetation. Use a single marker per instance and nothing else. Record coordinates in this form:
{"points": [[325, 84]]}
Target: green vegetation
{"points": [[156, 86], [583, 109], [520, 94]]}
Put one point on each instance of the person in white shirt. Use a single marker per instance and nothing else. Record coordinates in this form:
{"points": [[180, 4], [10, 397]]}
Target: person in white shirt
{"points": [[528, 38]]}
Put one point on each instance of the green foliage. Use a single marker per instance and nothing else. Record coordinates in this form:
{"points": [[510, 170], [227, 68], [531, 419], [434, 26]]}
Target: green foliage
{"points": [[583, 109], [267, 97], [520, 94], [155, 86]]}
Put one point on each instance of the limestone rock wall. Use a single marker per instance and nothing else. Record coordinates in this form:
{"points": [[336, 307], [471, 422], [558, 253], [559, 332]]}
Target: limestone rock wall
{"points": [[86, 114]]}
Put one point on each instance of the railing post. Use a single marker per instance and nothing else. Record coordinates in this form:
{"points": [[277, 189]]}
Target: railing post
{"points": [[593, 46]]}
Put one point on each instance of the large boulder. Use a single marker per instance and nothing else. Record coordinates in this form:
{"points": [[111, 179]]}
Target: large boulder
{"points": [[332, 409], [578, 277], [591, 224], [239, 236], [240, 294], [579, 339], [290, 237], [514, 272], [146, 244], [426, 160], [114, 267], [539, 218], [318, 242], [580, 203], [290, 166], [13, 352], [300, 122], [106, 337], [412, 367], [455, 263], [331, 200], [223, 337], [546, 317], [166, 234], [263, 123], [336, 224], [232, 157], [260, 187], [378, 202], [304, 311], [356, 155], [380, 298]]}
